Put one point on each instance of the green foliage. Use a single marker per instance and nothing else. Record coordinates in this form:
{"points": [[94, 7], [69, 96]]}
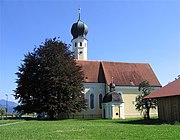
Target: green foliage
{"points": [[49, 81], [144, 105], [89, 130], [2, 111]]}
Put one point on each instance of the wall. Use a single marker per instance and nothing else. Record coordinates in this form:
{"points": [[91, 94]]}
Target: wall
{"points": [[77, 49], [111, 108], [129, 94], [96, 89], [116, 109], [169, 108]]}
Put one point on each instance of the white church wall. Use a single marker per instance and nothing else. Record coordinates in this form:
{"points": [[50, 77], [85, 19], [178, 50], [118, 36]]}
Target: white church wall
{"points": [[96, 89], [129, 94], [127, 109]]}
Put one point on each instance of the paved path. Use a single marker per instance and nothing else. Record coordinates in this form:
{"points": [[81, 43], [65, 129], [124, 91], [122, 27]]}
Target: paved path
{"points": [[10, 123]]}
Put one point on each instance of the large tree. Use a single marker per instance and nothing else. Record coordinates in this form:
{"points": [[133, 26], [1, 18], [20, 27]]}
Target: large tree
{"points": [[49, 81], [144, 105]]}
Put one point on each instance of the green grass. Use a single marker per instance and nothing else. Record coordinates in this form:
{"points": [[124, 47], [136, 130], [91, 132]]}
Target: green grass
{"points": [[8, 121], [89, 129]]}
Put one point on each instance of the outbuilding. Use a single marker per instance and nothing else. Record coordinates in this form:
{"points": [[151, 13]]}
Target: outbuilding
{"points": [[168, 101]]}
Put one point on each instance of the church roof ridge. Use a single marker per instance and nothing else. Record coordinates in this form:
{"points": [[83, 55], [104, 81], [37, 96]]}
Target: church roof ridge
{"points": [[89, 60], [106, 61]]}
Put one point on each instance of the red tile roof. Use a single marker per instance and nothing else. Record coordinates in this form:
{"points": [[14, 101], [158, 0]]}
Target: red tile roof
{"points": [[171, 89], [124, 74], [92, 71], [129, 74]]}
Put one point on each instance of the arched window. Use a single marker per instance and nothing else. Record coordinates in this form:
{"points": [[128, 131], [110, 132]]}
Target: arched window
{"points": [[80, 43], [75, 44], [91, 89], [100, 101], [92, 101]]}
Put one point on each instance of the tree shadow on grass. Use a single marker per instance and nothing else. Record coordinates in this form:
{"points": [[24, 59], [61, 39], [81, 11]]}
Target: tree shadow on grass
{"points": [[142, 122]]}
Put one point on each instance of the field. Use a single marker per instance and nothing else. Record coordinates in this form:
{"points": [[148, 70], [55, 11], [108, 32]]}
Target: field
{"points": [[130, 129]]}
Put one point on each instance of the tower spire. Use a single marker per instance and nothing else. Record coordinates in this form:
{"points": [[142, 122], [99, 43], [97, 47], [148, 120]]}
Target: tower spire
{"points": [[79, 31], [79, 11]]}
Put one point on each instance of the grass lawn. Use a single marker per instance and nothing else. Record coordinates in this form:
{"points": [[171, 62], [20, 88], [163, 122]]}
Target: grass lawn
{"points": [[8, 121], [88, 129]]}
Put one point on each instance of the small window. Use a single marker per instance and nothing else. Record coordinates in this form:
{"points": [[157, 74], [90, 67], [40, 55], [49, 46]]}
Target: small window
{"points": [[91, 89], [80, 43], [100, 101], [117, 114], [92, 101], [80, 52]]}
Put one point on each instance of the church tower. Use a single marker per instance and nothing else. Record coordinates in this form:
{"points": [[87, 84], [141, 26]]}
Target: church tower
{"points": [[79, 31]]}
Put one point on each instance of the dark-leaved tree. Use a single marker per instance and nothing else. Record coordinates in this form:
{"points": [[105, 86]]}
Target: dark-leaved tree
{"points": [[49, 81], [144, 105]]}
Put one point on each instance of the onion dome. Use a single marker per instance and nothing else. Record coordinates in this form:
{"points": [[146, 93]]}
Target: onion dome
{"points": [[113, 97], [79, 29]]}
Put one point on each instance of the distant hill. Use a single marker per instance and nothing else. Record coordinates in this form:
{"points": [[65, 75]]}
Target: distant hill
{"points": [[11, 105]]}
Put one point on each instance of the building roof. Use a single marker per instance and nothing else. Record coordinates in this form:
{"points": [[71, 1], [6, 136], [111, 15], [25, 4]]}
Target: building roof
{"points": [[79, 29], [129, 74], [124, 74], [112, 97], [93, 72], [171, 89]]}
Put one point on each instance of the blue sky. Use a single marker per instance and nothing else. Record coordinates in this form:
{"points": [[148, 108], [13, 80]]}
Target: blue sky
{"points": [[143, 31]]}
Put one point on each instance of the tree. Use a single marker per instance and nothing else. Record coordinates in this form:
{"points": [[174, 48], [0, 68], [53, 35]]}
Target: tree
{"points": [[49, 81], [2, 111], [144, 105]]}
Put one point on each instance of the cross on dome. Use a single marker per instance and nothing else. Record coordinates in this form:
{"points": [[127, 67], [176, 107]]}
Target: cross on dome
{"points": [[79, 11]]}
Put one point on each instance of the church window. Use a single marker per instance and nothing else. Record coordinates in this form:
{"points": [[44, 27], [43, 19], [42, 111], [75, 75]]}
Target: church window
{"points": [[75, 44], [92, 101], [91, 89], [100, 101], [80, 43]]}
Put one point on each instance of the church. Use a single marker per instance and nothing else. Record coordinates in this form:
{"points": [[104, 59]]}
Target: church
{"points": [[110, 88]]}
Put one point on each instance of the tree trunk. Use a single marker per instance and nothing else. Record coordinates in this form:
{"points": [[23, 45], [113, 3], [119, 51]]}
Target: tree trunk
{"points": [[147, 113], [147, 109], [51, 115]]}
